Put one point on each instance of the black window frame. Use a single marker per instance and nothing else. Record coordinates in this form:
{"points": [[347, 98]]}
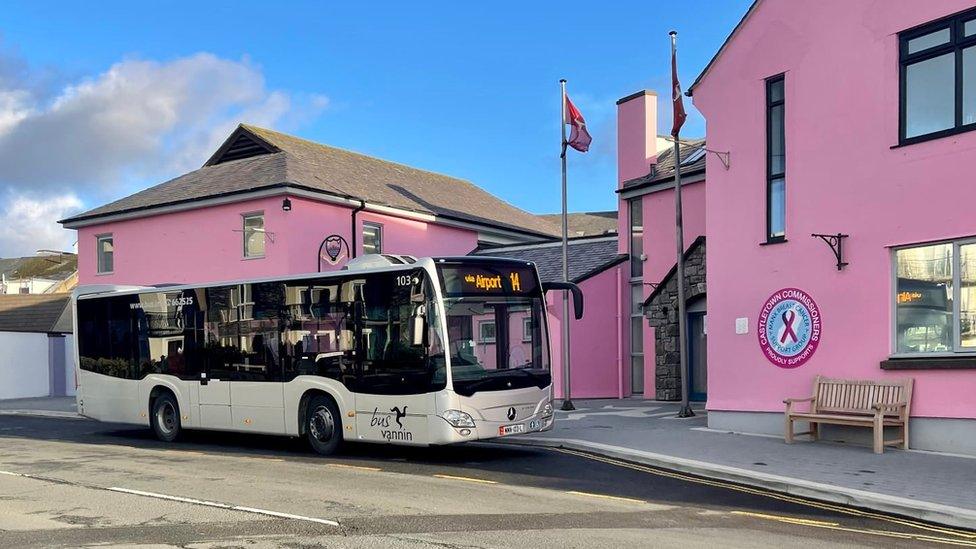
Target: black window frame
{"points": [[636, 263], [956, 44], [770, 175]]}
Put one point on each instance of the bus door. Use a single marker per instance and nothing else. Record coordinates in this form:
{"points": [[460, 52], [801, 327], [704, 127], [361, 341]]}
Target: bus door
{"points": [[394, 383], [256, 390]]}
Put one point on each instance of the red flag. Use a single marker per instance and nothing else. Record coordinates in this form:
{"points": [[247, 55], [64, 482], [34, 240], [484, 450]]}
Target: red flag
{"points": [[579, 138], [676, 102]]}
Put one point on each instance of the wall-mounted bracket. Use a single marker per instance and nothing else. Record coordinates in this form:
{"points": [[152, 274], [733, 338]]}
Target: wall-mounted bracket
{"points": [[836, 243]]}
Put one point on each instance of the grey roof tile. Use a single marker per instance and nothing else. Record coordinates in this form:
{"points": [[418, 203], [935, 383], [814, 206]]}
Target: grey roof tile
{"points": [[43, 313], [586, 257], [586, 223], [309, 165], [663, 170]]}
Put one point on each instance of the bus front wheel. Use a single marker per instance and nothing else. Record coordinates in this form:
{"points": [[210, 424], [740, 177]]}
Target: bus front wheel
{"points": [[165, 417], [323, 425]]}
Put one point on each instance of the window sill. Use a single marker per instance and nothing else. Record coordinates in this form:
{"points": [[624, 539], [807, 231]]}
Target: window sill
{"points": [[965, 362], [772, 241], [107, 273], [933, 136], [252, 258]]}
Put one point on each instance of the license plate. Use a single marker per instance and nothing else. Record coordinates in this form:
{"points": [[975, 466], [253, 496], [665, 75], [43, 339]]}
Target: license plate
{"points": [[511, 429]]}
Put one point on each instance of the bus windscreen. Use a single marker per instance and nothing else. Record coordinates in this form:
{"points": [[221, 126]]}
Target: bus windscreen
{"points": [[488, 280]]}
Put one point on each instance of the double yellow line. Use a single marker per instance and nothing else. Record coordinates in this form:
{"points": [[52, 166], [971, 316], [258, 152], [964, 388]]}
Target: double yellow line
{"points": [[962, 537]]}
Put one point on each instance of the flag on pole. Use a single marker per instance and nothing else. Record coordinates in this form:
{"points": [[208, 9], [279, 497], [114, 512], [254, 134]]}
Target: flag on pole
{"points": [[676, 102], [579, 138]]}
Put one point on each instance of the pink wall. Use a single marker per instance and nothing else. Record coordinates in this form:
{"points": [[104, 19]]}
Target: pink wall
{"points": [[842, 175], [595, 372], [206, 245], [659, 243]]}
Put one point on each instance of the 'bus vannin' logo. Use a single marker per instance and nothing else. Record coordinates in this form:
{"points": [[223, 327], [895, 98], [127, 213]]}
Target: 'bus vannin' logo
{"points": [[789, 328]]}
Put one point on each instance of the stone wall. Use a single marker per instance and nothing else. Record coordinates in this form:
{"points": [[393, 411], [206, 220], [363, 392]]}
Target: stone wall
{"points": [[662, 314]]}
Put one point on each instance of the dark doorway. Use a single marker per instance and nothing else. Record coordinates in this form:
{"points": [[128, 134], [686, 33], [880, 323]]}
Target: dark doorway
{"points": [[697, 355]]}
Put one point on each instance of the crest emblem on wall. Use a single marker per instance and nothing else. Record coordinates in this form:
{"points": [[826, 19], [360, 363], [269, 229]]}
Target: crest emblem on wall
{"points": [[334, 249]]}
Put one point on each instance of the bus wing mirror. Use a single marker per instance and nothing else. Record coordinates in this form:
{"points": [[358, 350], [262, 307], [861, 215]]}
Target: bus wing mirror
{"points": [[568, 286]]}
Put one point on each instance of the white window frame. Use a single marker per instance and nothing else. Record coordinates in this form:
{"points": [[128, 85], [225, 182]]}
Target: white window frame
{"points": [[957, 349], [481, 335], [263, 232], [99, 238], [527, 329], [379, 235]]}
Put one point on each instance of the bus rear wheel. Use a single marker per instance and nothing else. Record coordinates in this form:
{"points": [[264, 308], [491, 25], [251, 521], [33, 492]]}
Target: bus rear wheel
{"points": [[165, 418], [323, 425]]}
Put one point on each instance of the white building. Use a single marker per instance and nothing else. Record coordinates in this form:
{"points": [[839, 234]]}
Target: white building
{"points": [[36, 343]]}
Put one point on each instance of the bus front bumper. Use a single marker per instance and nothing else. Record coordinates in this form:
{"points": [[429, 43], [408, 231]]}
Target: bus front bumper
{"points": [[443, 432]]}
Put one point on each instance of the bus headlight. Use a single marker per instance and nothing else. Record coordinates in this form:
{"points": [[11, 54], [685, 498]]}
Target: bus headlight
{"points": [[458, 418], [547, 410]]}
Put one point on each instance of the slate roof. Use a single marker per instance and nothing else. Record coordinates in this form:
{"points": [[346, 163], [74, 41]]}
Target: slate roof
{"points": [[42, 313], [290, 162], [51, 267], [664, 169], [587, 257], [586, 223]]}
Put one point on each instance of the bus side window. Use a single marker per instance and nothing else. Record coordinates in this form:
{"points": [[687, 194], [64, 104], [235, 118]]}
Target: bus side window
{"points": [[317, 323], [390, 363]]}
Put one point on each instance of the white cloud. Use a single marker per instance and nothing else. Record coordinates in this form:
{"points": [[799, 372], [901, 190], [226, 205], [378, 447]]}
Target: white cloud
{"points": [[28, 224], [139, 122]]}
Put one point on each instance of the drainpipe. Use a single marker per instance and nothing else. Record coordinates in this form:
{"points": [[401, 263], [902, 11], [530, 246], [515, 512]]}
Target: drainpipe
{"points": [[620, 335], [361, 207]]}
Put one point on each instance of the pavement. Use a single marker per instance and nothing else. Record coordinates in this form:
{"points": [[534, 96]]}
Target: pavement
{"points": [[80, 483], [51, 406], [922, 485]]}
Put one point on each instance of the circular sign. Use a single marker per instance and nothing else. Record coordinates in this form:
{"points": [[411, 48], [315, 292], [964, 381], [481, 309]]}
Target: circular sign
{"points": [[789, 328]]}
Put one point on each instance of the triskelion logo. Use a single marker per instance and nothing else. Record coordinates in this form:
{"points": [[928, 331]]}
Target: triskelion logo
{"points": [[789, 328]]}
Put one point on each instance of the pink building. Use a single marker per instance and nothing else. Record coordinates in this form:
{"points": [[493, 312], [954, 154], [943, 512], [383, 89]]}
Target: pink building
{"points": [[645, 176], [853, 120]]}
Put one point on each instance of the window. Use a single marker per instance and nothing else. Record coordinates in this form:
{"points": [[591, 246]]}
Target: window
{"points": [[486, 331], [372, 238], [636, 238], [775, 159], [693, 157], [254, 235], [105, 250], [938, 78], [527, 329], [637, 338], [390, 364], [935, 298]]}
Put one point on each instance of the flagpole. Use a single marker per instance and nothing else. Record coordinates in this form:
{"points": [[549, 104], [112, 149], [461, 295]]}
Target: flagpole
{"points": [[685, 410], [567, 400]]}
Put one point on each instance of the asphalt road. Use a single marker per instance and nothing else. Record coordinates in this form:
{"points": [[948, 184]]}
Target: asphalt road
{"points": [[76, 483]]}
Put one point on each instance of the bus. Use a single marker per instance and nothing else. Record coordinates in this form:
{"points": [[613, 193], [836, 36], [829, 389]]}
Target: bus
{"points": [[389, 349]]}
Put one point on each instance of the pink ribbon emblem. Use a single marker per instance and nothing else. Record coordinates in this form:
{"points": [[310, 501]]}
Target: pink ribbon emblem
{"points": [[788, 318]]}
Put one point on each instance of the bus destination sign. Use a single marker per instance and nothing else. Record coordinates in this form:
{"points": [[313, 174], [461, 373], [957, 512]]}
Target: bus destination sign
{"points": [[490, 280]]}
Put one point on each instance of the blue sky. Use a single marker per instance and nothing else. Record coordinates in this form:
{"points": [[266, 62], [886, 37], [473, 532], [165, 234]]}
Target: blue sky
{"points": [[470, 90]]}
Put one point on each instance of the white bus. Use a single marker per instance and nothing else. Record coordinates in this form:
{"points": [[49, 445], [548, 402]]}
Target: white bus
{"points": [[389, 349]]}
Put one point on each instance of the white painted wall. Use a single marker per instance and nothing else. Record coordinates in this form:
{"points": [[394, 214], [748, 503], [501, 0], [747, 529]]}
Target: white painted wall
{"points": [[69, 365], [23, 365]]}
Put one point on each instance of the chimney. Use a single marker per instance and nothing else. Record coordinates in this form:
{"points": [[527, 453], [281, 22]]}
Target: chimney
{"points": [[636, 135]]}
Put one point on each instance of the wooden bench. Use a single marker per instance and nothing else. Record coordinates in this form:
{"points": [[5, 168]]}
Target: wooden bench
{"points": [[875, 404]]}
